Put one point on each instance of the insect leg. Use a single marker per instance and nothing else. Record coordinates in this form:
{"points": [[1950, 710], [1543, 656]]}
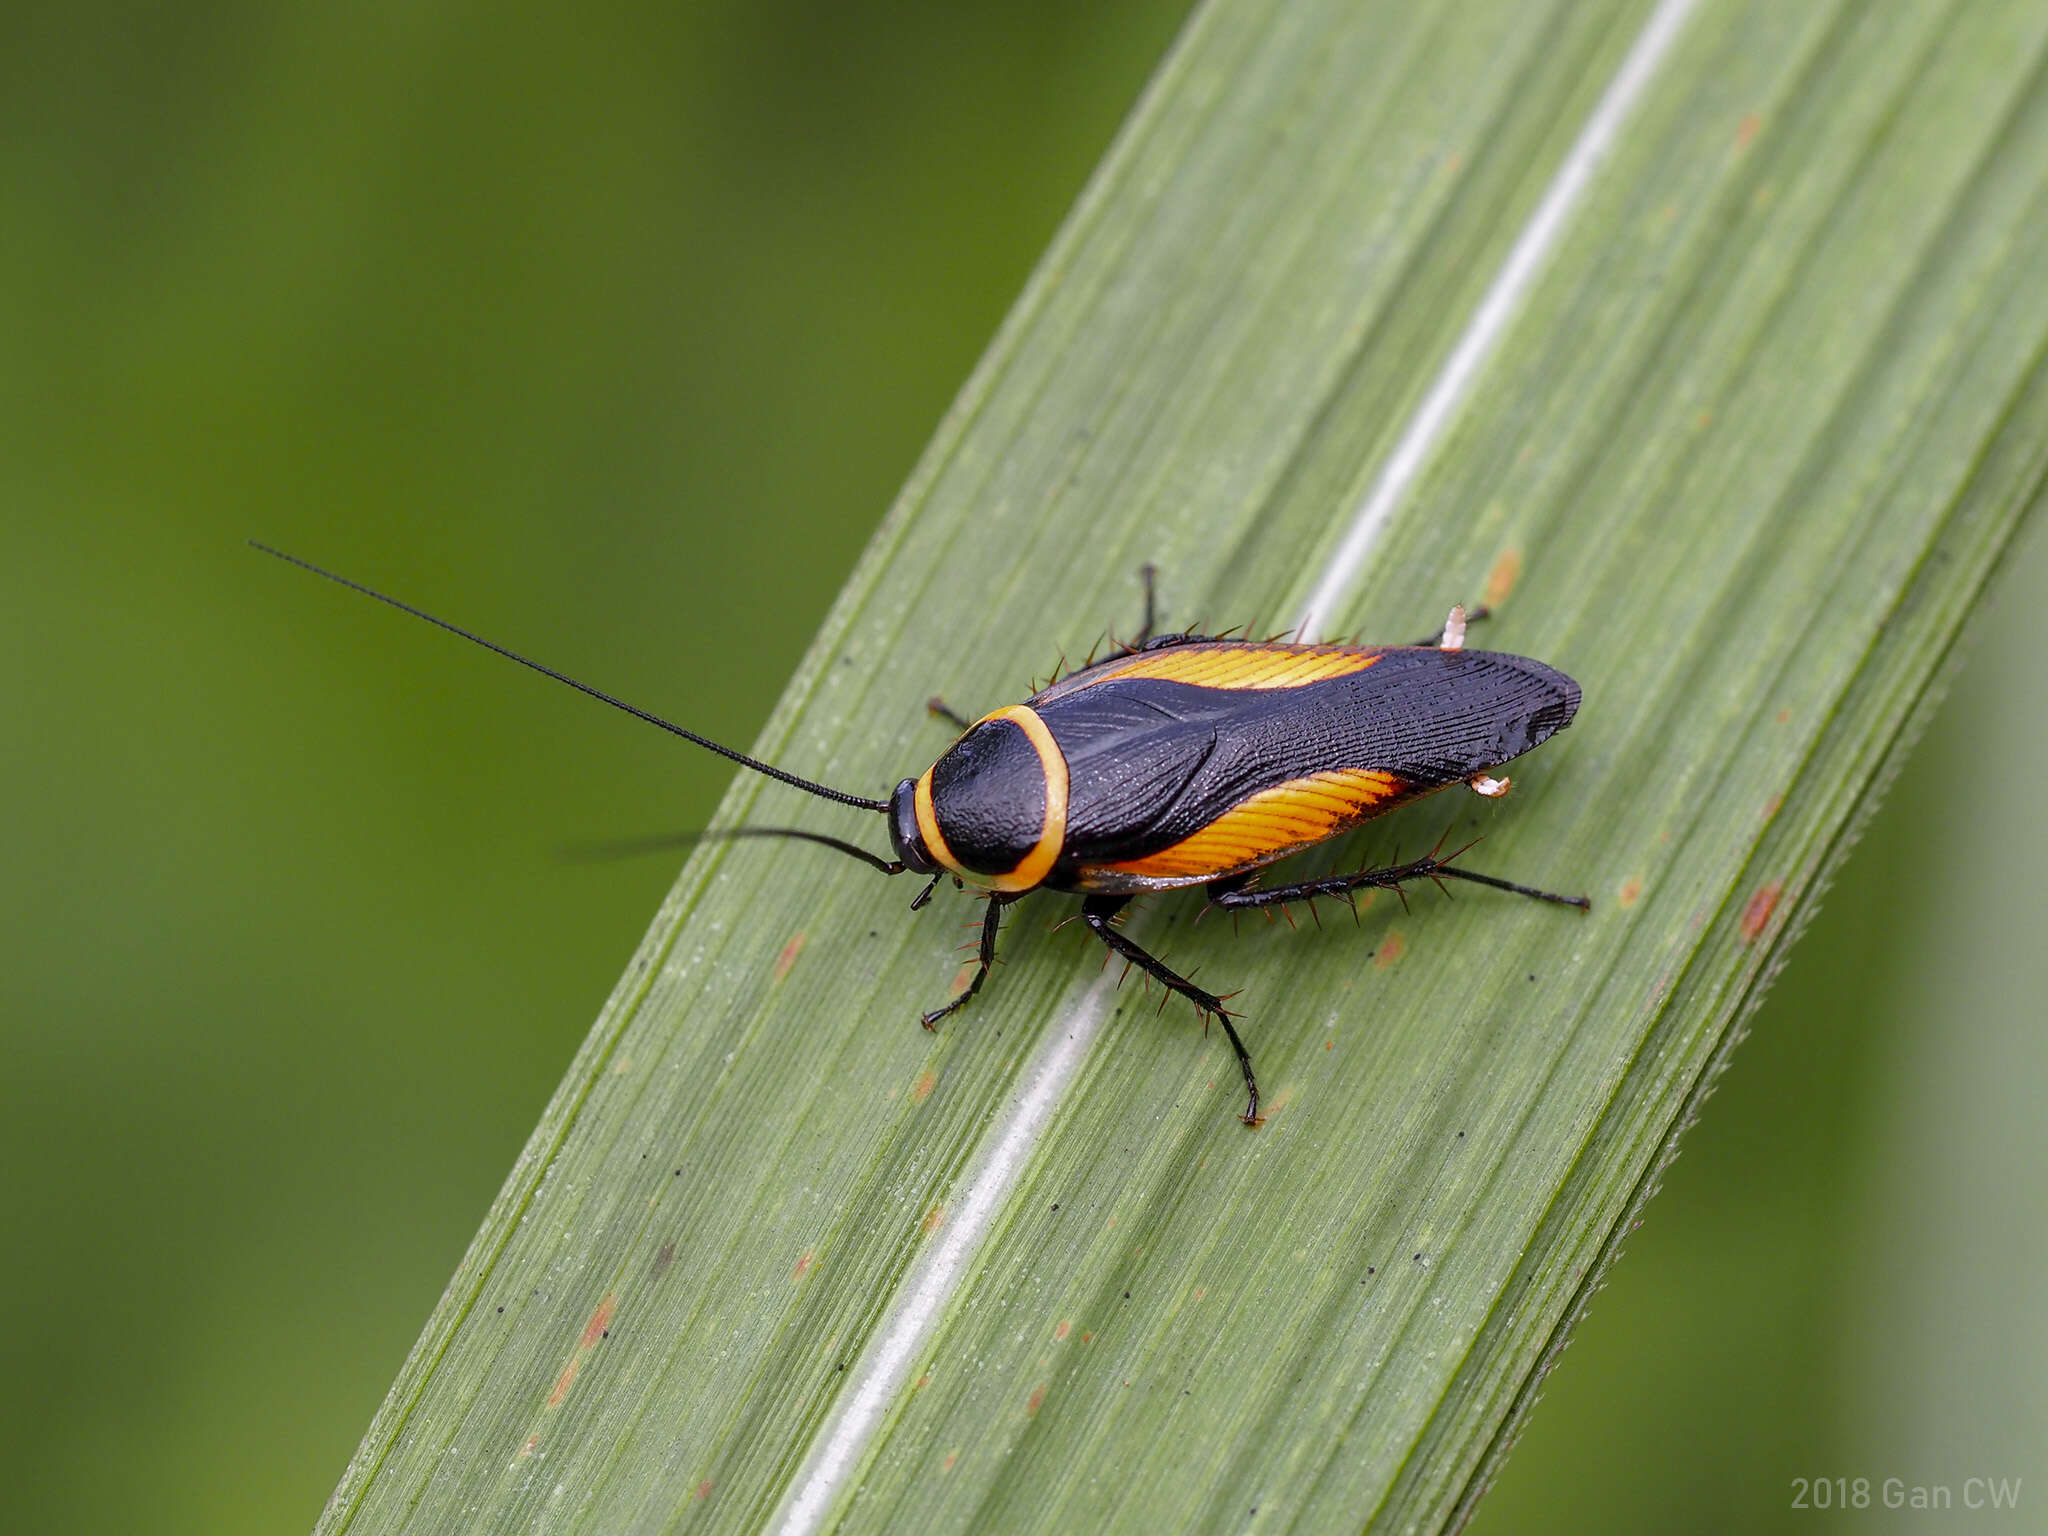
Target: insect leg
{"points": [[989, 924], [1148, 573], [1096, 912], [946, 712], [1393, 877], [1472, 616]]}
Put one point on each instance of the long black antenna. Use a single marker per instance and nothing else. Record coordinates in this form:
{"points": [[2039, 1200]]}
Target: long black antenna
{"points": [[807, 785], [663, 842]]}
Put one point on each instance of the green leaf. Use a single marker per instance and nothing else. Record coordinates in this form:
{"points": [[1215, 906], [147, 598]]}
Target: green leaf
{"points": [[1743, 465]]}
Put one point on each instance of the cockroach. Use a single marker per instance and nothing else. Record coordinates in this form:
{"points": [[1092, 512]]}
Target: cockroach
{"points": [[1180, 759]]}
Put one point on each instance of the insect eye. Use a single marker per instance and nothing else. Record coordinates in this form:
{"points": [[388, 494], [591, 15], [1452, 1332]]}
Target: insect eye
{"points": [[903, 831]]}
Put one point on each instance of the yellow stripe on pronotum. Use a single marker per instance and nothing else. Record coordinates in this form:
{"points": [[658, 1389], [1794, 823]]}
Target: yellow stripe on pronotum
{"points": [[1037, 864]]}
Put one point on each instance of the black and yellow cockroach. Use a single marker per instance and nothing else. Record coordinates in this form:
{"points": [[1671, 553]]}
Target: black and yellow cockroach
{"points": [[1182, 759]]}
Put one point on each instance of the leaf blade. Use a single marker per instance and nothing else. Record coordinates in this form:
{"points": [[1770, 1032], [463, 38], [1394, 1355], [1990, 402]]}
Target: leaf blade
{"points": [[1506, 1126]]}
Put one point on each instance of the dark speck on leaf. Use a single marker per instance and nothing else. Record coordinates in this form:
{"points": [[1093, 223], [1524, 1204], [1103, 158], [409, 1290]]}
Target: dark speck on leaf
{"points": [[1532, 975], [1055, 1207], [1127, 1295], [1418, 1258], [501, 1309]]}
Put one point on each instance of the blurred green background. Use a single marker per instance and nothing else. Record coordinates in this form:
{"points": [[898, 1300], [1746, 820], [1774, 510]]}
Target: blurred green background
{"points": [[612, 332]]}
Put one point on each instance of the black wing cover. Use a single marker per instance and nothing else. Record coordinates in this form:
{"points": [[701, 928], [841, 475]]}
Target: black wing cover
{"points": [[1152, 760]]}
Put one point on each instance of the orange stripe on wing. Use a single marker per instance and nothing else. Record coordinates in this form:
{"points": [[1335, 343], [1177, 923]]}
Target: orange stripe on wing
{"points": [[1228, 665], [1270, 824]]}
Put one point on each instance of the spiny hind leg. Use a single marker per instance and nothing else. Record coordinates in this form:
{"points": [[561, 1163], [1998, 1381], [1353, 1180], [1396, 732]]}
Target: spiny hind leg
{"points": [[1233, 897]]}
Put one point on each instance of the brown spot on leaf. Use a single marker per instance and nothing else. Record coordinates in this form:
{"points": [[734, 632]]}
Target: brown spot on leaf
{"points": [[565, 1381], [1063, 1330], [704, 1489], [922, 1088], [1087, 1338], [1631, 890], [1747, 129], [790, 951], [1392, 948], [1757, 915], [593, 1331], [923, 1381], [1772, 806], [1784, 717], [803, 1264], [1037, 1400], [1500, 581], [532, 1445], [951, 1457], [934, 1218]]}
